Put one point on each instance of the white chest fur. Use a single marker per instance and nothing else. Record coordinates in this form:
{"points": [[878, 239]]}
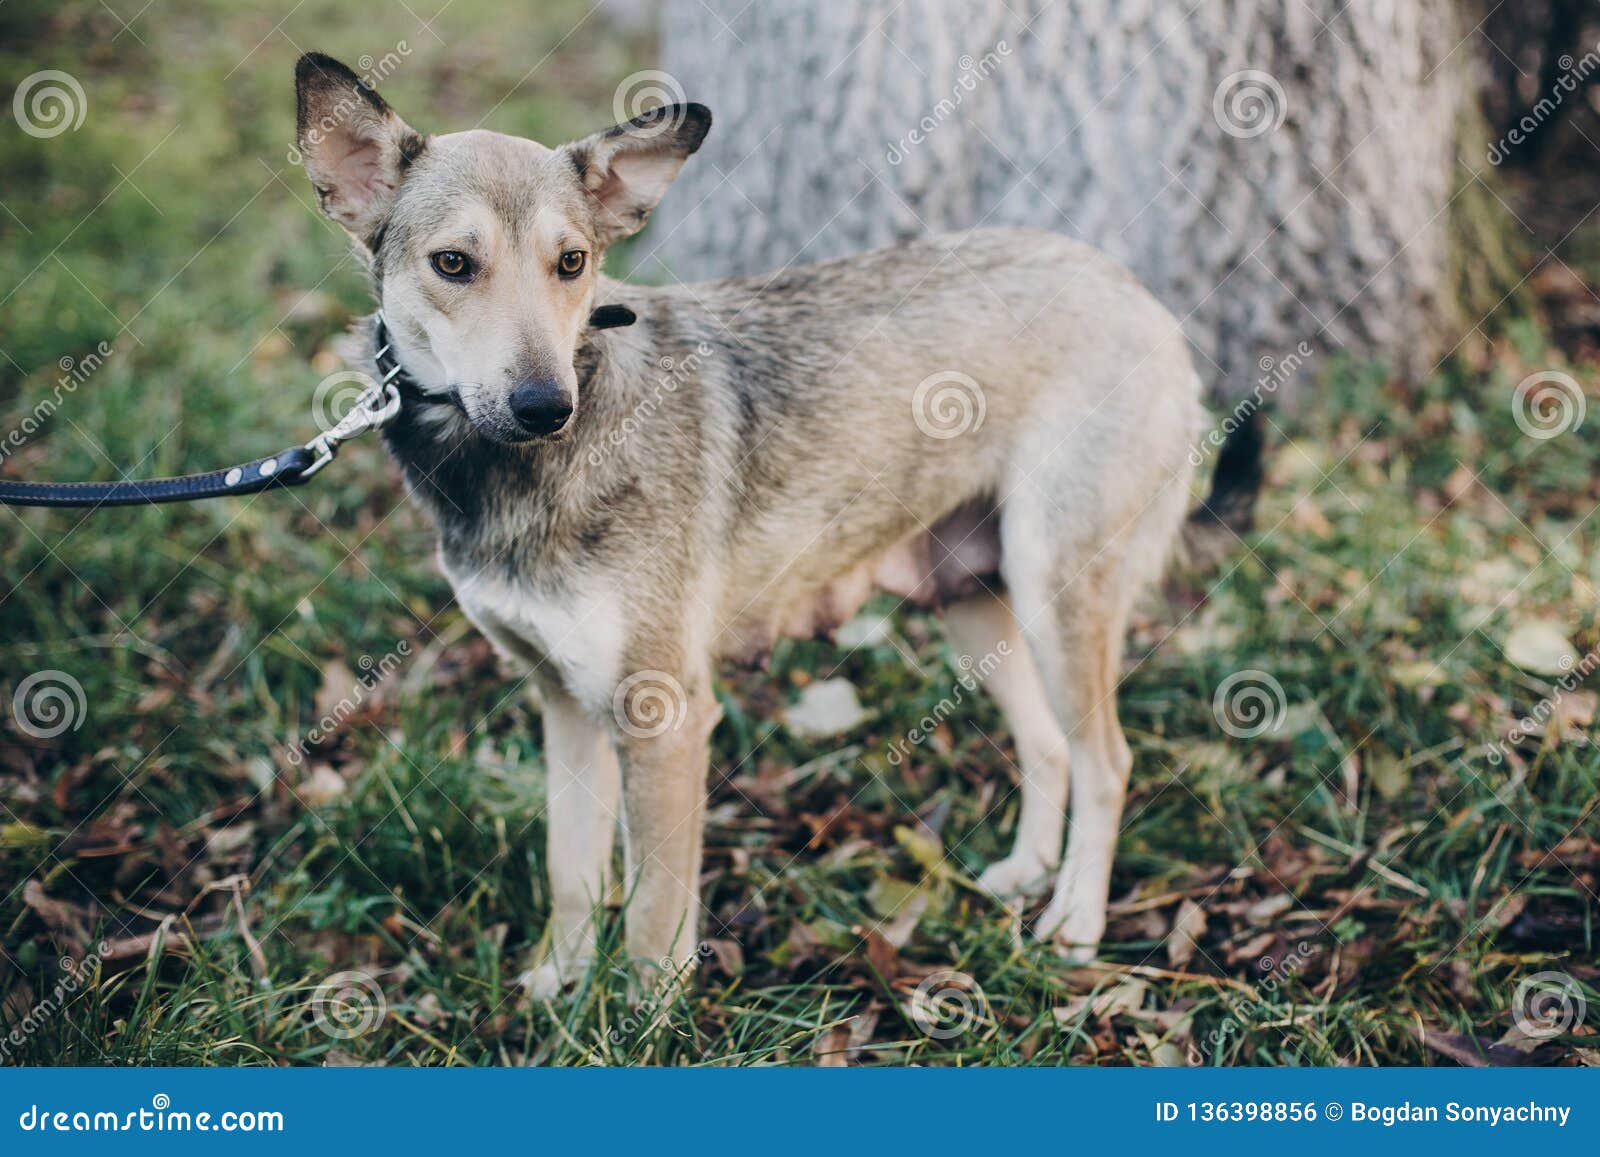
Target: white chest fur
{"points": [[577, 635]]}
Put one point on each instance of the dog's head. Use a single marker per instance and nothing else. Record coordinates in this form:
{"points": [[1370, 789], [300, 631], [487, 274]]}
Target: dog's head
{"points": [[486, 247]]}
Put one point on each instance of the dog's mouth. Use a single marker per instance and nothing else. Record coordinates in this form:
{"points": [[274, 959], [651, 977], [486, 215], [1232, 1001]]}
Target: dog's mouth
{"points": [[494, 421]]}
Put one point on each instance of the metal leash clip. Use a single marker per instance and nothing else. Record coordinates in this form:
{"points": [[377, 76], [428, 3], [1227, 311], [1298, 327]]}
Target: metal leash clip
{"points": [[377, 406]]}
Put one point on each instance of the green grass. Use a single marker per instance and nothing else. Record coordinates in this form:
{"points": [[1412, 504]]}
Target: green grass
{"points": [[1408, 529]]}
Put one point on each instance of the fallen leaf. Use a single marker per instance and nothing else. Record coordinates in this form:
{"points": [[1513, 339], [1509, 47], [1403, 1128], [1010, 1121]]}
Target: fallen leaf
{"points": [[825, 709], [1540, 646], [1125, 997], [1187, 927], [322, 786]]}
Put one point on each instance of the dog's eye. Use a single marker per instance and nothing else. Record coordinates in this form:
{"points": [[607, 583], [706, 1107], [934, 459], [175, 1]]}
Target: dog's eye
{"points": [[451, 265], [572, 262]]}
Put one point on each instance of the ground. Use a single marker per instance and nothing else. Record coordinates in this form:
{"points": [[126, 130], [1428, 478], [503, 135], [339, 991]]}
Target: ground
{"points": [[198, 868]]}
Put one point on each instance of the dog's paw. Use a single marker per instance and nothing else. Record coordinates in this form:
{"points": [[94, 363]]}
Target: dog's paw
{"points": [[547, 981], [1015, 878], [1074, 933]]}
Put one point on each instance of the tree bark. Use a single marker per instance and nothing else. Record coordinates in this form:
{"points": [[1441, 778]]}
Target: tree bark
{"points": [[1276, 171]]}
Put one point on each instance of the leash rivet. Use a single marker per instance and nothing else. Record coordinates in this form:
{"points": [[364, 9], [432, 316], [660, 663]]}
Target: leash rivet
{"points": [[269, 467], [233, 476]]}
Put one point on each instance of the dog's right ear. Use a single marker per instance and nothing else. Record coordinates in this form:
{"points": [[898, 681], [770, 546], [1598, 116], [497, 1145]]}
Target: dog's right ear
{"points": [[355, 149]]}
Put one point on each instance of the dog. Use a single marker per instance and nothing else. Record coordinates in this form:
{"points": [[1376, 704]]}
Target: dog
{"points": [[997, 423]]}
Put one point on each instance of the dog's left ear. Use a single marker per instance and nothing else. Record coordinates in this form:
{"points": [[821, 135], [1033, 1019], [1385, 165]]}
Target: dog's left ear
{"points": [[626, 169], [355, 148]]}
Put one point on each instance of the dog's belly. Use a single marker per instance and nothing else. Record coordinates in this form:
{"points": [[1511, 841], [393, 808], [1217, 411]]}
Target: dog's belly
{"points": [[955, 558]]}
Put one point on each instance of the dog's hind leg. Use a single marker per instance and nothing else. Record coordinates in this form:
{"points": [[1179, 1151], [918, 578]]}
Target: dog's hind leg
{"points": [[990, 645], [583, 784], [1073, 604]]}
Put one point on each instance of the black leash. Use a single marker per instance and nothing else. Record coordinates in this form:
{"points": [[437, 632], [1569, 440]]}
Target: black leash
{"points": [[376, 406]]}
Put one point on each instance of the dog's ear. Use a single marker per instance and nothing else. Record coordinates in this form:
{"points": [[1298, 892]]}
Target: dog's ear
{"points": [[354, 147], [626, 169]]}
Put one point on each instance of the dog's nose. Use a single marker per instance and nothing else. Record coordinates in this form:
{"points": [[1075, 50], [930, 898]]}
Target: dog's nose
{"points": [[540, 405]]}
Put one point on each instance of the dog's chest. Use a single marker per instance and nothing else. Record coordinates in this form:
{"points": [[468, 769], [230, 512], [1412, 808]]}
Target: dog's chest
{"points": [[575, 636]]}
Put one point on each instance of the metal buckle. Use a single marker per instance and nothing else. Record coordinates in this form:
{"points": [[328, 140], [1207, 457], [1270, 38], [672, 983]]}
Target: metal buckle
{"points": [[376, 407]]}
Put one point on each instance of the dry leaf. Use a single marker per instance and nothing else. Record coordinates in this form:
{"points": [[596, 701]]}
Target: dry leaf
{"points": [[1540, 646], [1187, 927]]}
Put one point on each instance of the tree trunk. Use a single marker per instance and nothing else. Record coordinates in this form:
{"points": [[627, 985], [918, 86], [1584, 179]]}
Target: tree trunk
{"points": [[1272, 178]]}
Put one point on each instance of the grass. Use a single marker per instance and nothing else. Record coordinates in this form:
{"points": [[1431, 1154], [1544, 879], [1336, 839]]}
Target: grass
{"points": [[1364, 869]]}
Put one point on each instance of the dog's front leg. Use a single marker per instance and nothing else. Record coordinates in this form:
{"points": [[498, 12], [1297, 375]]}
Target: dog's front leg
{"points": [[583, 783], [665, 724]]}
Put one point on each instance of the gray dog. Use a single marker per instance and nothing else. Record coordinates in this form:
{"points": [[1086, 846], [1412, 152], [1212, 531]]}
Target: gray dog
{"points": [[998, 423]]}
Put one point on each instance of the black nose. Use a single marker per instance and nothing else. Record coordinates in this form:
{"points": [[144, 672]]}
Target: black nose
{"points": [[541, 405]]}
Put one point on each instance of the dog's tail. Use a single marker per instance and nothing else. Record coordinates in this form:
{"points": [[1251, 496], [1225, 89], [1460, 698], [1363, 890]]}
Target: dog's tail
{"points": [[1215, 526]]}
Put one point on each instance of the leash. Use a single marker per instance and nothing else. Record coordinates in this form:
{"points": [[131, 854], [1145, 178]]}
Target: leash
{"points": [[374, 408]]}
